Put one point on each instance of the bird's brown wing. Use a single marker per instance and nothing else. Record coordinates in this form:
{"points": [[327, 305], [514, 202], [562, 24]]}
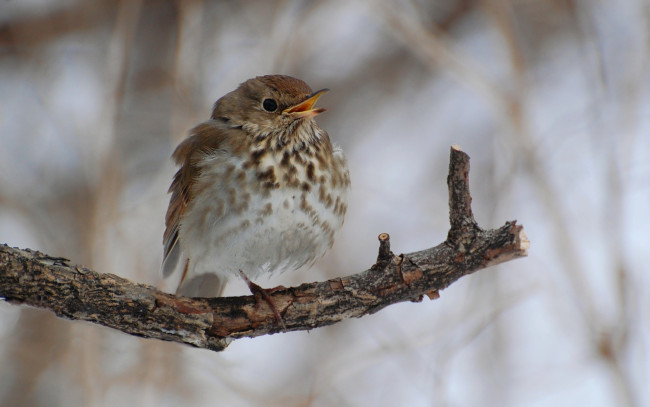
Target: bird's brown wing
{"points": [[205, 139]]}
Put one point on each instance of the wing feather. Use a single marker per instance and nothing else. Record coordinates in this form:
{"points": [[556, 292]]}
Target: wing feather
{"points": [[205, 139]]}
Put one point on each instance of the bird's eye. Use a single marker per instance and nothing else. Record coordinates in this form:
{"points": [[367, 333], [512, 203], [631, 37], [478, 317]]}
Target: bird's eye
{"points": [[269, 105]]}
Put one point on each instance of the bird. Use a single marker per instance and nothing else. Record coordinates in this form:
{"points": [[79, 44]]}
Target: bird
{"points": [[260, 189]]}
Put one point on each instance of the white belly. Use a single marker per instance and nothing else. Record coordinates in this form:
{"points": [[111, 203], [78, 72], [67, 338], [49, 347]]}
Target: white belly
{"points": [[231, 229]]}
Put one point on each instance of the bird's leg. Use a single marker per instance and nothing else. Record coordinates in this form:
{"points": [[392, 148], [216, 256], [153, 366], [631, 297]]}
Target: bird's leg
{"points": [[263, 293]]}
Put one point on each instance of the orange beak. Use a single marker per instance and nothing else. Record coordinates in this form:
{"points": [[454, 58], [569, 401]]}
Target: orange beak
{"points": [[305, 109]]}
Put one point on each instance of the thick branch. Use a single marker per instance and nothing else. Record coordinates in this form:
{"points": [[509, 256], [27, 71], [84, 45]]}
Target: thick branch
{"points": [[33, 278]]}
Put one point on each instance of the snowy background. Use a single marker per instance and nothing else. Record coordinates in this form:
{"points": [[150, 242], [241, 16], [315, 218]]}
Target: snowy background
{"points": [[551, 99]]}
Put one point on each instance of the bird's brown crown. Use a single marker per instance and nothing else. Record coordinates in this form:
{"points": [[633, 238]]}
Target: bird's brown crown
{"points": [[285, 84]]}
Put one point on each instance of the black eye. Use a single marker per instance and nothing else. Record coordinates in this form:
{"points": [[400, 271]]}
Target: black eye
{"points": [[269, 105]]}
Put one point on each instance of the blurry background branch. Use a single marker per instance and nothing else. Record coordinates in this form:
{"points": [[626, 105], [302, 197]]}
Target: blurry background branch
{"points": [[73, 292]]}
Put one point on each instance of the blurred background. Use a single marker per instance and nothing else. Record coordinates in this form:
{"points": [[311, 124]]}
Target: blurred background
{"points": [[551, 99]]}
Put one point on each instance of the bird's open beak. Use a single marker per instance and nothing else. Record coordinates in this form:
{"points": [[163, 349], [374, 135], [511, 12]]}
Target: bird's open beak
{"points": [[305, 109]]}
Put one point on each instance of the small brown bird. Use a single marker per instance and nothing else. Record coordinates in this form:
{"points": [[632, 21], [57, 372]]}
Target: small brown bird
{"points": [[260, 188]]}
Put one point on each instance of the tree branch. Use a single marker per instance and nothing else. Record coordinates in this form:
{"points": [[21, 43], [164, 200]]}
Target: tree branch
{"points": [[33, 278]]}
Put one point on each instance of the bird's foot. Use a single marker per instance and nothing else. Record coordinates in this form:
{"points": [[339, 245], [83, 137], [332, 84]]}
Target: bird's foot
{"points": [[264, 294]]}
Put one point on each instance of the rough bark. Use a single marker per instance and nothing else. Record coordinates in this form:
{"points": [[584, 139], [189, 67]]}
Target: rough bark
{"points": [[36, 279]]}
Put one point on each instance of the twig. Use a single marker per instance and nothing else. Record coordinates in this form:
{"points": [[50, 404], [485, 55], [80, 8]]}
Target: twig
{"points": [[33, 278]]}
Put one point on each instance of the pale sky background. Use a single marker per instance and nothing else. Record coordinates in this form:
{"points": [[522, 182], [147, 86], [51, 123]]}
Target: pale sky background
{"points": [[550, 99]]}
